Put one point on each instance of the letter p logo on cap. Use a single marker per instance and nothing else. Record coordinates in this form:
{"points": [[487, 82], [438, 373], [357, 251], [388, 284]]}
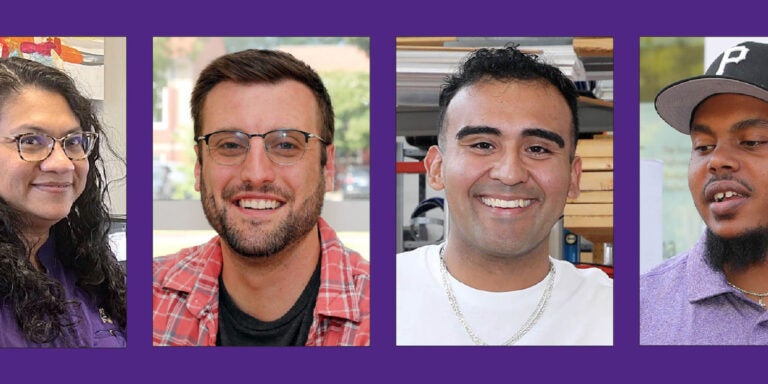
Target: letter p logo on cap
{"points": [[727, 57]]}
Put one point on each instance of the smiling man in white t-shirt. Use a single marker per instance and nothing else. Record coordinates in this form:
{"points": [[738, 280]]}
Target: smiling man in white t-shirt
{"points": [[506, 160]]}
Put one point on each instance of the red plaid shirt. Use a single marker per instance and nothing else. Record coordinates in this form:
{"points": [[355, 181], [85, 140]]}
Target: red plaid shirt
{"points": [[185, 293]]}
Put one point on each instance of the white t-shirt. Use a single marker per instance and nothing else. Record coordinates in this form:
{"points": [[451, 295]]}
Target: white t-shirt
{"points": [[579, 312]]}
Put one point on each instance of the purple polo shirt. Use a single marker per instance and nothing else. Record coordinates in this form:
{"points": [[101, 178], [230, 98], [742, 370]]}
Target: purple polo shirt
{"points": [[89, 330], [683, 301]]}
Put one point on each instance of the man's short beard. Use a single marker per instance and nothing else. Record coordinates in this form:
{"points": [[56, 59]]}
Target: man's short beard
{"points": [[737, 253], [253, 240]]}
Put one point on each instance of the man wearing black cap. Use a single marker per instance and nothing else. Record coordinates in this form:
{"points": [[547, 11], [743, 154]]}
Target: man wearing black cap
{"points": [[716, 292]]}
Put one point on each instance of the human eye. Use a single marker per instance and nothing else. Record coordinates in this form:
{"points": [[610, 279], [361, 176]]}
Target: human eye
{"points": [[285, 143], [74, 140], [702, 142], [228, 144], [33, 141], [482, 146], [753, 143], [703, 148], [478, 145], [538, 150]]}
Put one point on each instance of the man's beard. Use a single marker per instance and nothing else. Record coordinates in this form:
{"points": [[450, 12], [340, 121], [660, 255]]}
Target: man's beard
{"points": [[250, 239], [737, 253]]}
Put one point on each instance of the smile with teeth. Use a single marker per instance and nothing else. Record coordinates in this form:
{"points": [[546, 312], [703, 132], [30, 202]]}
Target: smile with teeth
{"points": [[498, 203], [720, 196], [259, 204]]}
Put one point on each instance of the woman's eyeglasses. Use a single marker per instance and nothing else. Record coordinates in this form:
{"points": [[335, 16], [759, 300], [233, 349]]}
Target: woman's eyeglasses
{"points": [[38, 146]]}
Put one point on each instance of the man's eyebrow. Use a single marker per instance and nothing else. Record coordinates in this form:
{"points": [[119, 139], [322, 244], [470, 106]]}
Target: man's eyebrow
{"points": [[749, 123], [700, 128], [476, 130], [738, 126], [545, 134]]}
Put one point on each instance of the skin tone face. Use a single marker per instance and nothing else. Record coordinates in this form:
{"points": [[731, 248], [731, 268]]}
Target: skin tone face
{"points": [[260, 207], [506, 169], [728, 170], [43, 191]]}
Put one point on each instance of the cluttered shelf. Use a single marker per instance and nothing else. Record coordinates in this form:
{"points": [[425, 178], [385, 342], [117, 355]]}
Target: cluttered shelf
{"points": [[591, 214]]}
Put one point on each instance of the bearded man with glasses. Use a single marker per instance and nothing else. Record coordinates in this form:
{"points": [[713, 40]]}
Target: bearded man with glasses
{"points": [[276, 274]]}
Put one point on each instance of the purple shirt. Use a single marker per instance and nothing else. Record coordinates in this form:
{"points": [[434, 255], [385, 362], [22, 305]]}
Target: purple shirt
{"points": [[90, 330], [684, 301]]}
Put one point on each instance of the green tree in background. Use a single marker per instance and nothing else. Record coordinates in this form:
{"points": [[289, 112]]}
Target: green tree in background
{"points": [[350, 93], [161, 61], [235, 44], [185, 189], [666, 60]]}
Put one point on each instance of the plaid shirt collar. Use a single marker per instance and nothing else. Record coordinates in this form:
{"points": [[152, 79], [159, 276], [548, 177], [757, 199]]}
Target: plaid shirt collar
{"points": [[197, 275]]}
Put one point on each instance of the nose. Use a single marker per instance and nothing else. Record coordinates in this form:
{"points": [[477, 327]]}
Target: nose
{"points": [[257, 168], [723, 158], [510, 168], [57, 161]]}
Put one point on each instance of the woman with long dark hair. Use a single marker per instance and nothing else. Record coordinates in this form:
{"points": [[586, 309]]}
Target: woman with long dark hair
{"points": [[60, 283]]}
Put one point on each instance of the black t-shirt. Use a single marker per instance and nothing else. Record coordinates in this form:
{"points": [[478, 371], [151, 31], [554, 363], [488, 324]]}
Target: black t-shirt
{"points": [[237, 328]]}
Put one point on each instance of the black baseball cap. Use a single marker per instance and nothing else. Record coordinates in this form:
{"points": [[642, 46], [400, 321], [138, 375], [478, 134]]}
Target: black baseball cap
{"points": [[742, 69]]}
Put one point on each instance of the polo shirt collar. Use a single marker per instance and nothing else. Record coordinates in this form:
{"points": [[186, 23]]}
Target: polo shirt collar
{"points": [[702, 281]]}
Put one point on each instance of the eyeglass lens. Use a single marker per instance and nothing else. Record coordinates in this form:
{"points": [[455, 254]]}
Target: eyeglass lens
{"points": [[283, 147], [37, 146]]}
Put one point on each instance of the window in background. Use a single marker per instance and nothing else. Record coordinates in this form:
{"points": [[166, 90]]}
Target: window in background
{"points": [[662, 62]]}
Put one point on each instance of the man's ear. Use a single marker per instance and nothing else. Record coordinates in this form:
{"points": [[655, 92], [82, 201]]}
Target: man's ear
{"points": [[433, 162], [573, 188], [330, 167], [198, 166]]}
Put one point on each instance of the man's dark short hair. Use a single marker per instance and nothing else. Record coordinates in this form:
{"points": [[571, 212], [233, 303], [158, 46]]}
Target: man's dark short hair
{"points": [[254, 66], [506, 64]]}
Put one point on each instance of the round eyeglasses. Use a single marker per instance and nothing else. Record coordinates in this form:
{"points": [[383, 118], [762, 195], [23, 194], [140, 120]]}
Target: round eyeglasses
{"points": [[38, 146], [283, 146]]}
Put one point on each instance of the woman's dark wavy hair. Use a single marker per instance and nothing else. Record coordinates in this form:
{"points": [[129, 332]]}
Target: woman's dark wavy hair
{"points": [[82, 243], [507, 63]]}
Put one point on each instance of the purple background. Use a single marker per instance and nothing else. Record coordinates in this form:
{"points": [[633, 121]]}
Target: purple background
{"points": [[382, 21]]}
